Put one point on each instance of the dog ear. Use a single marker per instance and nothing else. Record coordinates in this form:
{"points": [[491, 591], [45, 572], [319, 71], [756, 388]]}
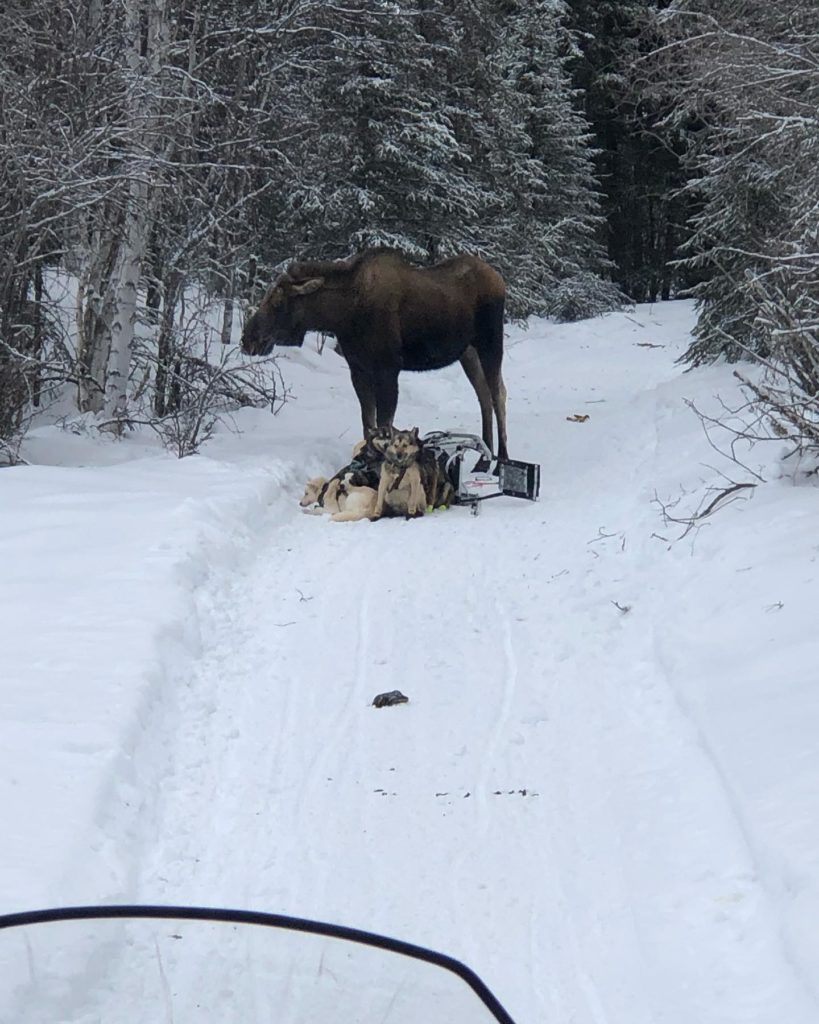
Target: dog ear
{"points": [[415, 433]]}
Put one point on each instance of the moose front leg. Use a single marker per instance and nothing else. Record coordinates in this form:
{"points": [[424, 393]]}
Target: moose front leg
{"points": [[386, 396], [363, 384]]}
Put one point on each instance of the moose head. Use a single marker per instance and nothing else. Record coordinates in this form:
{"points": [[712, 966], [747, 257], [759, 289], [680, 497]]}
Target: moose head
{"points": [[280, 318]]}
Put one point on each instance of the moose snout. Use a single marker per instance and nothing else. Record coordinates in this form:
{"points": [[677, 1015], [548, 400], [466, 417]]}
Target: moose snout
{"points": [[254, 342]]}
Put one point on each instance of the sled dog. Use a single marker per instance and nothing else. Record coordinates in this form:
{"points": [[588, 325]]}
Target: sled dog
{"points": [[346, 502], [364, 470], [400, 488], [367, 458], [437, 485]]}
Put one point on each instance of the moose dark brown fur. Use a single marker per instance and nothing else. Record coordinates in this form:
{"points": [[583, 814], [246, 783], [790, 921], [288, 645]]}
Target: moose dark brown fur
{"points": [[389, 316]]}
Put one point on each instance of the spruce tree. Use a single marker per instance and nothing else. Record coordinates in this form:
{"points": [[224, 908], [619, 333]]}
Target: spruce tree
{"points": [[385, 165], [529, 150]]}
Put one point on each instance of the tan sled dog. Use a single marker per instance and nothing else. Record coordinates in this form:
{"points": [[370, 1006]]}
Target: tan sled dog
{"points": [[400, 489], [345, 502]]}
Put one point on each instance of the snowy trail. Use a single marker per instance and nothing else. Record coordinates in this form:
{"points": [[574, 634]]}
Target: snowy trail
{"points": [[602, 792], [543, 807]]}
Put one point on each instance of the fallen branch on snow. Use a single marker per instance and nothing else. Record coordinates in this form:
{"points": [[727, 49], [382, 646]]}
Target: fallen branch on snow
{"points": [[722, 497]]}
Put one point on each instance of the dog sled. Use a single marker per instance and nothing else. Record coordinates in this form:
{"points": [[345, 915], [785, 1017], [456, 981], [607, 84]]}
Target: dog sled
{"points": [[451, 468], [476, 475]]}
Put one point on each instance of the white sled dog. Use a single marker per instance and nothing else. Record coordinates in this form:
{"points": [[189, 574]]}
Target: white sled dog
{"points": [[345, 502]]}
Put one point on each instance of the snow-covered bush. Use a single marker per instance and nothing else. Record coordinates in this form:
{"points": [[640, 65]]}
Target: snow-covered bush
{"points": [[582, 296]]}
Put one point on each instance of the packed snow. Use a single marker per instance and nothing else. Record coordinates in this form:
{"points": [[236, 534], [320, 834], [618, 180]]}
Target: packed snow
{"points": [[602, 794]]}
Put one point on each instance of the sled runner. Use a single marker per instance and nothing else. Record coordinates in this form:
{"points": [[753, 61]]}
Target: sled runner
{"points": [[475, 475]]}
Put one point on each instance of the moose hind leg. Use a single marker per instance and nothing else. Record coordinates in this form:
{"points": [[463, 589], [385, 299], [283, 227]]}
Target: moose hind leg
{"points": [[491, 364], [500, 412], [489, 345], [498, 390], [474, 372]]}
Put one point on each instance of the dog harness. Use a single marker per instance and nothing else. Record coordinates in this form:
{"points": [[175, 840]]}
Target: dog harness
{"points": [[358, 465], [404, 467]]}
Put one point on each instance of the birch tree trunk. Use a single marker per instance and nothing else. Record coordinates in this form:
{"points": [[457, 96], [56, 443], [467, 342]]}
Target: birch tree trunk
{"points": [[97, 230], [126, 285], [227, 314], [144, 111], [94, 311]]}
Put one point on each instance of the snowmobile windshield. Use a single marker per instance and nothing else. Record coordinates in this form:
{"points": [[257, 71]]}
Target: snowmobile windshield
{"points": [[156, 965]]}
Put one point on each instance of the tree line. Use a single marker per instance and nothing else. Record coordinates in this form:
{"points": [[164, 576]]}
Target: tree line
{"points": [[593, 150]]}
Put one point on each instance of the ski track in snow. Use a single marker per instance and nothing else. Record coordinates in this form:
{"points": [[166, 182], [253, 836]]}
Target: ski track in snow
{"points": [[545, 807]]}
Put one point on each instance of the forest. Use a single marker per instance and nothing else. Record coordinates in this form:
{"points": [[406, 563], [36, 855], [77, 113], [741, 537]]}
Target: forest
{"points": [[598, 153]]}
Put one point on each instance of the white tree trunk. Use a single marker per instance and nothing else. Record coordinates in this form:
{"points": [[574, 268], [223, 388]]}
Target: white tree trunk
{"points": [[136, 227], [126, 286], [97, 233], [227, 314], [94, 308]]}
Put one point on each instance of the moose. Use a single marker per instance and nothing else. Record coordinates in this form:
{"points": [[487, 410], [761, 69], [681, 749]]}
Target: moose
{"points": [[387, 316]]}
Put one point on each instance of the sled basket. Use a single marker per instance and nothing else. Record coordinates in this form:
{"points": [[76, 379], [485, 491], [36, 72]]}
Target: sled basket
{"points": [[476, 479]]}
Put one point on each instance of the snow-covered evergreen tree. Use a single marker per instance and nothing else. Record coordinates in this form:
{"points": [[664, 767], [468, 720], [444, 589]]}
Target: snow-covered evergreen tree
{"points": [[752, 79], [382, 164], [548, 230], [441, 127]]}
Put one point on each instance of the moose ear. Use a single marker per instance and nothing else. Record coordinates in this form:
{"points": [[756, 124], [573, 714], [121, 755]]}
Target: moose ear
{"points": [[307, 287], [274, 296]]}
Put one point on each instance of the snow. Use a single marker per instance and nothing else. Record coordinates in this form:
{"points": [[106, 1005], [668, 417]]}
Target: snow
{"points": [[602, 792]]}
